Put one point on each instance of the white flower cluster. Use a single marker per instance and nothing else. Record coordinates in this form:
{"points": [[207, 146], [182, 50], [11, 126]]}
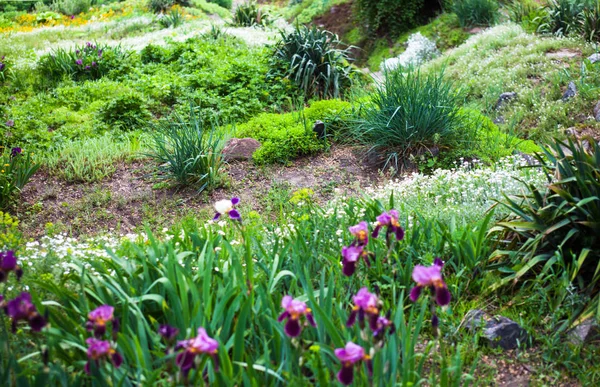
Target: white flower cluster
{"points": [[419, 50]]}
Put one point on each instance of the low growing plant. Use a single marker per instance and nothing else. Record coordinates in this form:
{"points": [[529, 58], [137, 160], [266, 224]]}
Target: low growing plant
{"points": [[16, 170], [472, 13], [249, 14]]}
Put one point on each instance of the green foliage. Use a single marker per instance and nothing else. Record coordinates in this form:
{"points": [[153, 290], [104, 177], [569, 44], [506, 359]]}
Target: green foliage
{"points": [[174, 18], [312, 59], [16, 169], [10, 236], [249, 14], [409, 113], [186, 152], [87, 62], [125, 112], [553, 239], [392, 17], [4, 66], [158, 6], [590, 23], [71, 7], [473, 13], [222, 3], [527, 13], [566, 17]]}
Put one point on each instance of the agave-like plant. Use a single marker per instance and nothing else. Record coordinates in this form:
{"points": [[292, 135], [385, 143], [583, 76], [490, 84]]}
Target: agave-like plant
{"points": [[555, 231]]}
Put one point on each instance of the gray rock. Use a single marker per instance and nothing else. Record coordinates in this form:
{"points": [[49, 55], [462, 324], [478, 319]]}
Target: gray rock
{"points": [[499, 120], [594, 58], [597, 111], [585, 332], [497, 331], [529, 159], [505, 97], [319, 129], [571, 132], [570, 92], [240, 148]]}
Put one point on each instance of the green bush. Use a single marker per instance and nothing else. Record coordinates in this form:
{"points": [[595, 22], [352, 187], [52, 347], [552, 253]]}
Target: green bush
{"points": [[249, 14], [174, 18], [71, 7], [409, 113], [562, 17], [392, 17], [186, 152], [222, 3], [285, 137], [553, 238], [125, 112], [313, 60], [527, 13], [15, 171], [473, 13]]}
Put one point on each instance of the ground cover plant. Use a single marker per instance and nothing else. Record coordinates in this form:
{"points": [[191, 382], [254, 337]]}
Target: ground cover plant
{"points": [[191, 200]]}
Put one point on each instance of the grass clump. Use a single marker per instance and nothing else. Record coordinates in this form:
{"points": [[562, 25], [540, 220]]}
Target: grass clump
{"points": [[250, 14], [409, 113], [472, 13]]}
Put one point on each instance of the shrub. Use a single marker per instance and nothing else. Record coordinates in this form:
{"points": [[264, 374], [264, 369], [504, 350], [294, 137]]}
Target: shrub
{"points": [[10, 236], [312, 59], [250, 14], [285, 137], [186, 152], [158, 6], [16, 170], [222, 3], [125, 112], [172, 19], [562, 17], [409, 113], [554, 235], [71, 7], [88, 62], [473, 13], [527, 13], [590, 22], [392, 17]]}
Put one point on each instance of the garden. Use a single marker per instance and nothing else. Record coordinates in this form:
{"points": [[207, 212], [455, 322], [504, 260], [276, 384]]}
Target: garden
{"points": [[299, 192]]}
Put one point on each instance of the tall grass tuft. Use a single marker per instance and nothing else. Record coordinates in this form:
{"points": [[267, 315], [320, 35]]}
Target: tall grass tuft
{"points": [[409, 113], [472, 13], [186, 152], [249, 15]]}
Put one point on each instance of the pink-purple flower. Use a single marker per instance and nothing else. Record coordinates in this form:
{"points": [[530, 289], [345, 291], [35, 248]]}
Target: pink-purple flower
{"points": [[22, 309], [382, 324], [350, 355], [360, 233], [294, 309], [391, 221], [10, 123], [168, 332], [201, 344], [227, 207], [8, 263], [98, 318], [366, 306], [350, 257], [79, 62], [99, 350], [431, 277]]}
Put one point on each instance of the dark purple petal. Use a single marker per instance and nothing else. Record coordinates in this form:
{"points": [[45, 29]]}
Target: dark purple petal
{"points": [[311, 319], [37, 322], [87, 368], [217, 216], [346, 375], [415, 293], [283, 316], [18, 273], [369, 364], [9, 261], [292, 327], [376, 231], [352, 318], [235, 215], [235, 201], [117, 359], [185, 361], [442, 296], [438, 262], [373, 321], [348, 268], [399, 233], [215, 358], [435, 321], [168, 332]]}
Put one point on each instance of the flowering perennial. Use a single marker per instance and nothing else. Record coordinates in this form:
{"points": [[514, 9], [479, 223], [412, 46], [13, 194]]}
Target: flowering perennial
{"points": [[350, 355], [227, 207], [22, 309], [430, 277], [294, 309], [201, 344], [98, 318], [101, 350], [8, 263]]}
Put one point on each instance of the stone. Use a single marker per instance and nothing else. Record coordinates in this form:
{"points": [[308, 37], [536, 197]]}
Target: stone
{"points": [[570, 92], [497, 331], [597, 111], [562, 54], [585, 332], [499, 120], [529, 159], [505, 97], [240, 148], [319, 129], [571, 132], [594, 58]]}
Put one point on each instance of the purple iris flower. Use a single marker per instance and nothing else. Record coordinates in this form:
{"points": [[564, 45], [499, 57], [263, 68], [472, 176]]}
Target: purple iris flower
{"points": [[99, 53], [201, 344], [8, 263], [79, 62], [87, 67], [94, 64], [431, 277], [99, 350], [391, 221], [382, 324], [98, 318], [361, 233], [293, 310], [227, 207], [168, 332], [10, 124], [14, 152], [365, 305], [349, 356], [2, 65], [21, 308], [350, 256]]}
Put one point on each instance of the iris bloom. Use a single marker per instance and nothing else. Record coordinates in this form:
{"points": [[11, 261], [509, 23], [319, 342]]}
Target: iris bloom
{"points": [[349, 356], [196, 346], [350, 256], [227, 207], [10, 123], [293, 310], [21, 308], [14, 152], [431, 277], [168, 332], [382, 324], [8, 263], [79, 62], [365, 305], [98, 318], [361, 233], [391, 221], [99, 350]]}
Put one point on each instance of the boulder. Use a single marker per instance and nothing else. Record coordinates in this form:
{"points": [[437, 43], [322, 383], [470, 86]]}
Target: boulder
{"points": [[570, 92], [505, 97], [585, 332], [496, 331], [240, 148], [594, 58]]}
